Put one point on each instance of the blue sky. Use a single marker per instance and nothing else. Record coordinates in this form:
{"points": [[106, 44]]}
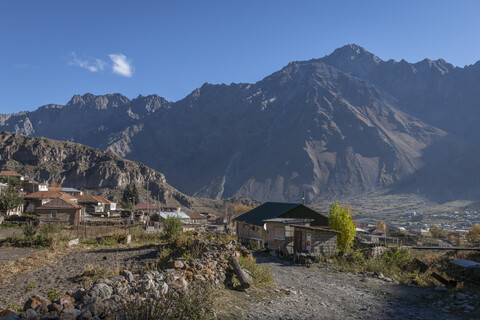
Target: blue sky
{"points": [[51, 50]]}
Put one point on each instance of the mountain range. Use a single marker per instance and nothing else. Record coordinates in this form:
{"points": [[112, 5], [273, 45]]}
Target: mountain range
{"points": [[341, 125]]}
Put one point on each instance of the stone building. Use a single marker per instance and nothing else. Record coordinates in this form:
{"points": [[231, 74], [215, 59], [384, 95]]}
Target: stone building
{"points": [[316, 240]]}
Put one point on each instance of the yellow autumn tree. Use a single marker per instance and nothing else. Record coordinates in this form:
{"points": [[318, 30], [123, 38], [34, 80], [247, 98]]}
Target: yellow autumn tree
{"points": [[340, 219], [474, 233], [381, 225]]}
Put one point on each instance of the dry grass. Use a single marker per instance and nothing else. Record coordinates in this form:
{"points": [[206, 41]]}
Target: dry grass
{"points": [[91, 273], [230, 304], [29, 263]]}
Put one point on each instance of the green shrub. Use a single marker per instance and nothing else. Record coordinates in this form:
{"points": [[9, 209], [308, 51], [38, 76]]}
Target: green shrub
{"points": [[357, 258], [52, 295], [395, 257], [10, 225], [113, 239], [29, 230], [261, 274], [20, 240], [29, 287], [163, 258], [172, 226]]}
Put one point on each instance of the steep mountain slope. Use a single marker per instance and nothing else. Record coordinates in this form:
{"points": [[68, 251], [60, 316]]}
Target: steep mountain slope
{"points": [[307, 127], [336, 126], [75, 165], [434, 91]]}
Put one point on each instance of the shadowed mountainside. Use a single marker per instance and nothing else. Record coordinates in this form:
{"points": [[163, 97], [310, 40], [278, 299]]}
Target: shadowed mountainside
{"points": [[338, 126]]}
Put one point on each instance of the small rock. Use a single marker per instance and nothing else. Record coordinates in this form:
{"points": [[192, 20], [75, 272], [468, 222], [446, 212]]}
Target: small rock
{"points": [[73, 242], [440, 288], [54, 307], [460, 296], [8, 314], [32, 303], [101, 290], [178, 264], [128, 275], [118, 278], [70, 314], [469, 308], [66, 301], [87, 315], [29, 314]]}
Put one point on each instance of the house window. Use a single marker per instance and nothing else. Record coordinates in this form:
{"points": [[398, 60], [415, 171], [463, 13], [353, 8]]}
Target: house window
{"points": [[279, 233], [53, 213]]}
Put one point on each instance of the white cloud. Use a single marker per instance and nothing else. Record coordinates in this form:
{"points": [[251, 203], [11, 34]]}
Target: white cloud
{"points": [[92, 65], [121, 65]]}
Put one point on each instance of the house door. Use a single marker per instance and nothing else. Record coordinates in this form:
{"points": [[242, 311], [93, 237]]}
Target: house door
{"points": [[297, 240]]}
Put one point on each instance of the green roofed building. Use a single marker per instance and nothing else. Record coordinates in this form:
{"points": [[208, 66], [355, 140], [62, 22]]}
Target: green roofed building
{"points": [[254, 225]]}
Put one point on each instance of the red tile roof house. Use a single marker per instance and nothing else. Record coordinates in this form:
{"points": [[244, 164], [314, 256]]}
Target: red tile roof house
{"points": [[37, 199], [12, 174], [61, 210]]}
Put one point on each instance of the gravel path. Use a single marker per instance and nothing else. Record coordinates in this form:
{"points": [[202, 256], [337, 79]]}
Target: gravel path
{"points": [[324, 293], [12, 254], [5, 233]]}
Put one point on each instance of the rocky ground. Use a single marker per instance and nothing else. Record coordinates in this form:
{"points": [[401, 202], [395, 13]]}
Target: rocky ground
{"points": [[12, 254], [319, 292], [326, 293], [59, 273]]}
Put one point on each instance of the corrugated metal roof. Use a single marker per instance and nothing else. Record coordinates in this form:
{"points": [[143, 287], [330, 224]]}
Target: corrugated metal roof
{"points": [[315, 228], [271, 210], [288, 220], [465, 263], [70, 190], [181, 215]]}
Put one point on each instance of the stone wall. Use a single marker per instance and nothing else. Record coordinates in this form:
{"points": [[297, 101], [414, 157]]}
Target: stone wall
{"points": [[322, 242]]}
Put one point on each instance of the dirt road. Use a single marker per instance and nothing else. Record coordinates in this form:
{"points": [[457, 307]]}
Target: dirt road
{"points": [[324, 293]]}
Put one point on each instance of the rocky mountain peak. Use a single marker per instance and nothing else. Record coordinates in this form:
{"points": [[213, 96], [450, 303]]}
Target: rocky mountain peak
{"points": [[352, 52], [92, 101], [439, 65], [143, 106]]}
